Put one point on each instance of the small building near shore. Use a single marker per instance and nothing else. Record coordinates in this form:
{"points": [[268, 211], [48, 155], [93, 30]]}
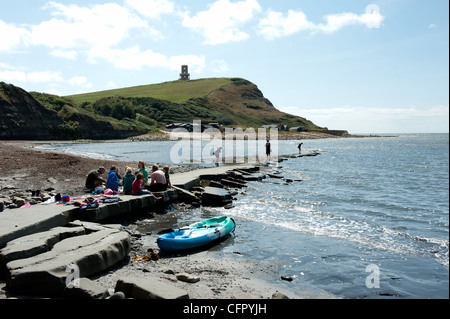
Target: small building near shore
{"points": [[193, 127], [296, 129]]}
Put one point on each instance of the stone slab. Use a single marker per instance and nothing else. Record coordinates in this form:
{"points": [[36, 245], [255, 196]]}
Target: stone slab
{"points": [[231, 183], [215, 197], [128, 204], [85, 289], [46, 274], [149, 288], [187, 180], [35, 244], [19, 222], [185, 195]]}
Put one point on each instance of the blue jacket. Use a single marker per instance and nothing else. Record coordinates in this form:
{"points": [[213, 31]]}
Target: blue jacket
{"points": [[113, 181]]}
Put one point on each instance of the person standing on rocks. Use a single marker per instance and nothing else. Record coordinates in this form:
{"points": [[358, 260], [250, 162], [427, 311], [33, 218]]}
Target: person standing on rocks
{"points": [[268, 150], [217, 155], [300, 147]]}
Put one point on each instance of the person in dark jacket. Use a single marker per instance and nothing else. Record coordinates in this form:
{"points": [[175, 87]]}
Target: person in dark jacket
{"points": [[94, 178]]}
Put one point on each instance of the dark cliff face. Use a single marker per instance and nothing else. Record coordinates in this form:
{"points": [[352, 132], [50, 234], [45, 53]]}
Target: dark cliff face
{"points": [[22, 117]]}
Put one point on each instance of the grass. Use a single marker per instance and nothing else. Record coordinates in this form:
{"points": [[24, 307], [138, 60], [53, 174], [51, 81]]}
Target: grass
{"points": [[175, 91]]}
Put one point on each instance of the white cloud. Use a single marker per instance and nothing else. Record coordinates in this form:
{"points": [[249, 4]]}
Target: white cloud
{"points": [[219, 66], [80, 81], [222, 21], [5, 66], [66, 54], [111, 84], [371, 19], [12, 36], [378, 119], [134, 59], [152, 8], [276, 24], [13, 76], [75, 27]]}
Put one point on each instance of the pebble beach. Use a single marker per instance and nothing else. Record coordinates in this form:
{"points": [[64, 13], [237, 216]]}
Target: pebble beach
{"points": [[212, 273]]}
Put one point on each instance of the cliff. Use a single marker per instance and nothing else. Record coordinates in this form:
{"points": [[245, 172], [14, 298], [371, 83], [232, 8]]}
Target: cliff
{"points": [[22, 117], [229, 101], [127, 112]]}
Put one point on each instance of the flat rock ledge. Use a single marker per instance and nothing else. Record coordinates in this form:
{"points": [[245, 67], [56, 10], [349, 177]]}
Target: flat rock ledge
{"points": [[48, 273], [32, 245], [149, 288]]}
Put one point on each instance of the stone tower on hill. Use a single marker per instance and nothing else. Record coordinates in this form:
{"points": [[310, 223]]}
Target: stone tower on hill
{"points": [[184, 75]]}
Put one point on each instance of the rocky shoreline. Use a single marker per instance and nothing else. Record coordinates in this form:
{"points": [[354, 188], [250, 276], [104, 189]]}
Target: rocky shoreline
{"points": [[206, 274]]}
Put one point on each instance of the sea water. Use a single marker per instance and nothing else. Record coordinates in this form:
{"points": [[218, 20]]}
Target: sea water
{"points": [[366, 210], [367, 218]]}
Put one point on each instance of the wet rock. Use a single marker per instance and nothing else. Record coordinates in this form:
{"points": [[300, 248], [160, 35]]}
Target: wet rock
{"points": [[253, 177], [279, 295], [52, 180], [9, 187], [19, 201], [232, 183], [168, 271], [187, 278], [215, 197], [275, 176], [85, 289], [286, 278], [215, 184], [117, 295], [185, 196]]}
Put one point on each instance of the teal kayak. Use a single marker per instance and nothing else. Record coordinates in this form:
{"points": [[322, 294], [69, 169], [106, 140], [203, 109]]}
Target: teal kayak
{"points": [[197, 234]]}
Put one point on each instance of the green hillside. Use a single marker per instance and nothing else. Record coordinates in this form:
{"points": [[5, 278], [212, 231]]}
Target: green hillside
{"points": [[129, 112], [229, 101], [176, 91]]}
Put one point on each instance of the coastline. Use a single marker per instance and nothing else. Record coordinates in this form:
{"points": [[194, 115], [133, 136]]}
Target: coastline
{"points": [[222, 275], [27, 167]]}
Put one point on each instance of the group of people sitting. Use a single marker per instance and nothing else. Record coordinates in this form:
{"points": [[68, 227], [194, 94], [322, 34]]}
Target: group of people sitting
{"points": [[136, 183]]}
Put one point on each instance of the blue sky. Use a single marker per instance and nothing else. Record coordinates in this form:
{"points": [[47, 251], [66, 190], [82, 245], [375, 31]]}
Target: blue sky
{"points": [[363, 66]]}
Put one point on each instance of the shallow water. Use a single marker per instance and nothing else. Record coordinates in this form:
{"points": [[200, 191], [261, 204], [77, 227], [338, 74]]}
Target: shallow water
{"points": [[369, 219], [364, 202]]}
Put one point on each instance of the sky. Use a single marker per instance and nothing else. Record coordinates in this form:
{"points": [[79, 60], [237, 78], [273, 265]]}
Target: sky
{"points": [[362, 66]]}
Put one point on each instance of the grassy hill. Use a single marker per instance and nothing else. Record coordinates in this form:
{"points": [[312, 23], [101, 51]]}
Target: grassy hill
{"points": [[176, 91], [229, 101], [127, 112]]}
